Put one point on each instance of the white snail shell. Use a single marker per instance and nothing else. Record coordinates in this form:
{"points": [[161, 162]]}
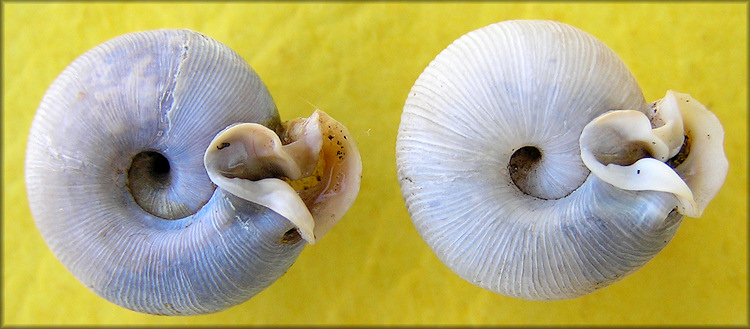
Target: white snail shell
{"points": [[533, 167], [125, 155]]}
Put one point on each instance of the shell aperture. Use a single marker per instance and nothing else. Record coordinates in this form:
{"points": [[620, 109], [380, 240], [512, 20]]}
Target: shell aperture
{"points": [[121, 193], [532, 166], [660, 143], [325, 170]]}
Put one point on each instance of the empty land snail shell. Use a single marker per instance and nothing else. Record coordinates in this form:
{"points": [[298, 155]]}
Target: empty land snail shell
{"points": [[159, 173], [532, 166]]}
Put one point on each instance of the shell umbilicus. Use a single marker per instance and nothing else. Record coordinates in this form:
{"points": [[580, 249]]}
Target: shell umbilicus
{"points": [[159, 173], [532, 166]]}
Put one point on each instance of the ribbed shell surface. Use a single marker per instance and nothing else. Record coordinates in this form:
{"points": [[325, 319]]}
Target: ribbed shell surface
{"points": [[491, 92], [169, 91]]}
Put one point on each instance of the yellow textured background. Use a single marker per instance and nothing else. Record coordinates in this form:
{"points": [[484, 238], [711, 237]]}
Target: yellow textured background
{"points": [[357, 61]]}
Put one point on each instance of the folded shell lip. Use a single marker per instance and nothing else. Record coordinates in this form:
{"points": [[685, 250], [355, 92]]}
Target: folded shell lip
{"points": [[311, 178], [706, 166]]}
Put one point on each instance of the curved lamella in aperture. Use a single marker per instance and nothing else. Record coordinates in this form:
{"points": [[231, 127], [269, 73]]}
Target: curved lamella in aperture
{"points": [[119, 190], [521, 169]]}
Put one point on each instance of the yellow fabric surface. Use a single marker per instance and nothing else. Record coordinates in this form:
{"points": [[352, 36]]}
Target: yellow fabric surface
{"points": [[357, 61]]}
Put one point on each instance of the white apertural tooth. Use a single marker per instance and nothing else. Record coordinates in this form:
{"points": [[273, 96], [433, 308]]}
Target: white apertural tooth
{"points": [[646, 174], [705, 168], [306, 144], [672, 132], [274, 194], [610, 133]]}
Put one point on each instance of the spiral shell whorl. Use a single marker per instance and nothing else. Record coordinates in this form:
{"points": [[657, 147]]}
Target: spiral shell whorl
{"points": [[492, 92], [170, 92]]}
